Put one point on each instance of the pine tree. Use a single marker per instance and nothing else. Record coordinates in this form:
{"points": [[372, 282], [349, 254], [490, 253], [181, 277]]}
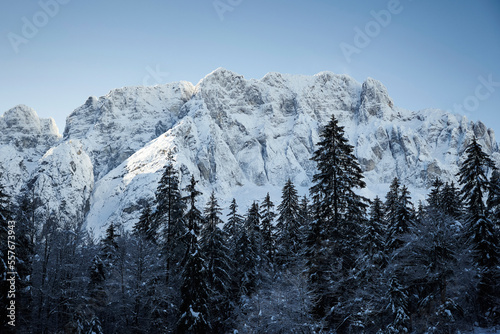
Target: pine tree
{"points": [[248, 254], [339, 174], [193, 217], [451, 203], [288, 227], [391, 205], [144, 226], [435, 198], [373, 237], [216, 253], [233, 225], [194, 290], [109, 245], [399, 307], [332, 235], [403, 219], [267, 228], [168, 218], [481, 232], [97, 290]]}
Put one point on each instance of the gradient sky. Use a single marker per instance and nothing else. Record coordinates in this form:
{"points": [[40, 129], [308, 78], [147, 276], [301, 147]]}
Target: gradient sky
{"points": [[432, 54]]}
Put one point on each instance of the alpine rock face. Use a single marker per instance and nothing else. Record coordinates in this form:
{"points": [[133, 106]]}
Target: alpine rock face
{"points": [[241, 138]]}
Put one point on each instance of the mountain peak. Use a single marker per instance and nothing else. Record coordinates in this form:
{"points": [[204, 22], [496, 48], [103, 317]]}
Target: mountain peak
{"points": [[25, 120]]}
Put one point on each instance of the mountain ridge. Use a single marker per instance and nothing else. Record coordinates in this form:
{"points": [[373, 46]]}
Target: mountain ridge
{"points": [[239, 137]]}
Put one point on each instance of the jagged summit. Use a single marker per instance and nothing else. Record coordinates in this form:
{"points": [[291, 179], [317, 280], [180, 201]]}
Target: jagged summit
{"points": [[23, 119], [242, 138]]}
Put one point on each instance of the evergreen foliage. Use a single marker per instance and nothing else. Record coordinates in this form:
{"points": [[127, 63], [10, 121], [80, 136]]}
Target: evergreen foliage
{"points": [[322, 267]]}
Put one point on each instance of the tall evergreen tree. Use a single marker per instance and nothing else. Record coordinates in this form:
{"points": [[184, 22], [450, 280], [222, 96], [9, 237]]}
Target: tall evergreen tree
{"points": [[334, 200], [402, 220], [218, 261], [248, 255], [233, 225], [451, 203], [481, 232], [434, 199], [267, 228], [168, 217], [144, 228], [288, 227], [194, 317], [373, 237], [168, 220]]}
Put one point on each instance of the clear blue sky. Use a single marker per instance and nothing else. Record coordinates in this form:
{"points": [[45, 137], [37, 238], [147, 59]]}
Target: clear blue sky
{"points": [[430, 54]]}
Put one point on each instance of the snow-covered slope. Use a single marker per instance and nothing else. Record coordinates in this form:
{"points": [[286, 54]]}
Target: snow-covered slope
{"points": [[244, 138]]}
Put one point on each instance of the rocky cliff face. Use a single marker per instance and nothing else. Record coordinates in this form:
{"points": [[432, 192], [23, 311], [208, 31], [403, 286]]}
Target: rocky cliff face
{"points": [[24, 139], [240, 137]]}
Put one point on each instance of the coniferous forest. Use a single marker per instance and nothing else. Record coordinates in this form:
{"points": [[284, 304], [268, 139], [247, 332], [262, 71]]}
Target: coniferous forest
{"points": [[329, 262]]}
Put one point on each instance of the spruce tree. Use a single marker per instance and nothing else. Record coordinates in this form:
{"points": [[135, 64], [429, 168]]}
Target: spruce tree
{"points": [[144, 226], [248, 255], [267, 228], [233, 225], [332, 235], [167, 218], [401, 221], [218, 263], [373, 236], [435, 199], [481, 233], [288, 227], [451, 203], [194, 317], [399, 306]]}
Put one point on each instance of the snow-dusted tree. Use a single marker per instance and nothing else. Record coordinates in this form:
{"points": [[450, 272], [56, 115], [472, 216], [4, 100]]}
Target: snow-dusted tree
{"points": [[233, 225], [481, 232], [435, 199], [330, 242], [288, 227], [401, 220], [193, 217], [338, 176], [194, 308], [109, 245], [218, 262], [144, 268], [268, 215], [451, 203], [399, 308], [144, 228], [374, 234], [98, 297], [167, 218], [391, 205], [248, 254]]}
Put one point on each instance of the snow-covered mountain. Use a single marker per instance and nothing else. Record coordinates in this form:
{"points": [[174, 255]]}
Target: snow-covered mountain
{"points": [[241, 138]]}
